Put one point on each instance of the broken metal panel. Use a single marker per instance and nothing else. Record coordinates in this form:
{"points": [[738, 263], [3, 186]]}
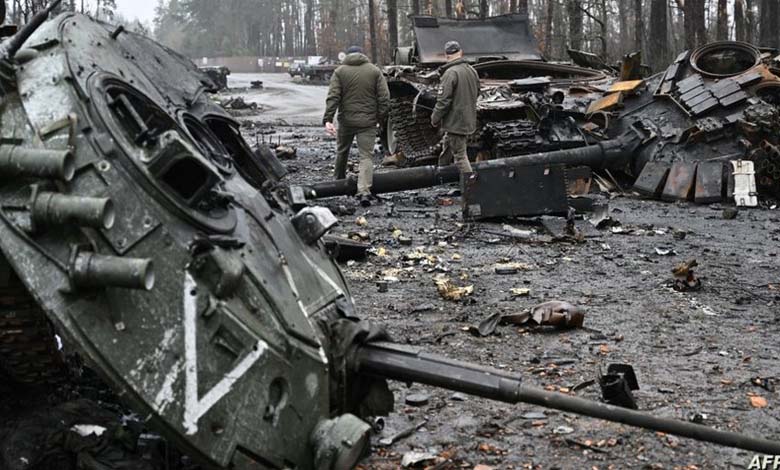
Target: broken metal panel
{"points": [[608, 103], [630, 87], [508, 191], [709, 182], [507, 36], [681, 182], [652, 179], [745, 194]]}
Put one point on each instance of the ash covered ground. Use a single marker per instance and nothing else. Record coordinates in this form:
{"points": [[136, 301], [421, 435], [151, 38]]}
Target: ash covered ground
{"points": [[709, 356]]}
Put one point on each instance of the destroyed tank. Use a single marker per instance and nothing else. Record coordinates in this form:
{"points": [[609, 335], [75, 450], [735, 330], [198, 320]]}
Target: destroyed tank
{"points": [[526, 104], [139, 231], [705, 130]]}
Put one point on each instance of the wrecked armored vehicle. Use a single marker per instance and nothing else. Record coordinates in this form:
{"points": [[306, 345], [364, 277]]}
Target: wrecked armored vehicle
{"points": [[137, 225], [705, 130], [219, 74], [526, 105], [711, 123]]}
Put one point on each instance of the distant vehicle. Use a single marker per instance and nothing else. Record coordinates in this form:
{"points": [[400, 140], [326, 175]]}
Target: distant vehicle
{"points": [[219, 75], [320, 72]]}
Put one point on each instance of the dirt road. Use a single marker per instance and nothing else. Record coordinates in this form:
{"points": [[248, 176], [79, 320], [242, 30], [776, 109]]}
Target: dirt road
{"points": [[283, 99]]}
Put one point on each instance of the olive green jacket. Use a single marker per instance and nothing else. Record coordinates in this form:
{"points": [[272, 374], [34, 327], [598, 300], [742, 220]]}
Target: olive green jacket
{"points": [[456, 107], [358, 91]]}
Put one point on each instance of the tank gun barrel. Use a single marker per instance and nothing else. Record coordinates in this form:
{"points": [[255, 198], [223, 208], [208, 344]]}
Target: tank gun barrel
{"points": [[409, 365], [9, 48], [596, 156]]}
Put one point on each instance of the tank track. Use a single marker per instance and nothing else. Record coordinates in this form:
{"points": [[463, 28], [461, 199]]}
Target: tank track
{"points": [[413, 131], [509, 138], [28, 348]]}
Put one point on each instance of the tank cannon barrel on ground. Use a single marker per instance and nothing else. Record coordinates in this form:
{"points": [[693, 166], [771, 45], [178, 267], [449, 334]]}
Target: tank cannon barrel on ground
{"points": [[410, 365], [598, 155]]}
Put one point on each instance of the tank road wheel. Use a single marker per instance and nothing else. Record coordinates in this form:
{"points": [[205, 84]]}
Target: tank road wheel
{"points": [[29, 353], [389, 138]]}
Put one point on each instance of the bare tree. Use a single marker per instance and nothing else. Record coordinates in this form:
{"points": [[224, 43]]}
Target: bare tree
{"points": [[392, 24], [659, 42], [723, 20], [740, 21], [372, 29], [639, 25], [575, 24], [770, 23]]}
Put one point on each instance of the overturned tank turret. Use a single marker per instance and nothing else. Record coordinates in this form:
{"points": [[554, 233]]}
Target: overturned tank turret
{"points": [[137, 224]]}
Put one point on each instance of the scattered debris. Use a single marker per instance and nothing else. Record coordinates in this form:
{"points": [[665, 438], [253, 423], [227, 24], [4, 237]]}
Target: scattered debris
{"points": [[239, 103], [346, 249], [417, 459], [730, 213], [520, 292], [684, 278], [562, 430], [449, 291], [389, 441], [562, 315], [284, 152], [558, 314], [757, 401], [417, 399], [617, 385], [665, 251]]}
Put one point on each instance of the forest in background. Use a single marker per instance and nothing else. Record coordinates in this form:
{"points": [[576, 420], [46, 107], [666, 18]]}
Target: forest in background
{"points": [[20, 11], [287, 28], [609, 28]]}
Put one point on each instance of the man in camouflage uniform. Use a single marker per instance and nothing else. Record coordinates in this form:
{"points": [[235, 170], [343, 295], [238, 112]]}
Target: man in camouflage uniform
{"points": [[456, 107], [358, 91]]}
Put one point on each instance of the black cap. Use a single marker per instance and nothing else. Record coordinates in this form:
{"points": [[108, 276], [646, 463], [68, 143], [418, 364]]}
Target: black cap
{"points": [[355, 50], [452, 47]]}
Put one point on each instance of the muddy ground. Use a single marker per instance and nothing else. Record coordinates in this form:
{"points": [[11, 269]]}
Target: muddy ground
{"points": [[696, 354]]}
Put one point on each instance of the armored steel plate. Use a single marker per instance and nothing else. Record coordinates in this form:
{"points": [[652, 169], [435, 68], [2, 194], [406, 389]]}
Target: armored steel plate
{"points": [[652, 179], [709, 182], [507, 191], [506, 36], [681, 182]]}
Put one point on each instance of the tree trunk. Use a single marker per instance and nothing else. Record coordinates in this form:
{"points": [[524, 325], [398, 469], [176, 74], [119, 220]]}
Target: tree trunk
{"points": [[483, 8], [723, 20], [548, 27], [658, 34], [624, 38], [770, 23], [392, 25], [575, 24], [639, 25], [448, 8], [416, 7], [372, 30], [309, 41], [695, 29], [522, 7], [740, 28]]}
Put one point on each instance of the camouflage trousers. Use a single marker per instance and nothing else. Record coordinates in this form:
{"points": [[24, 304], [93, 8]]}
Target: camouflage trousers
{"points": [[455, 147], [365, 141]]}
